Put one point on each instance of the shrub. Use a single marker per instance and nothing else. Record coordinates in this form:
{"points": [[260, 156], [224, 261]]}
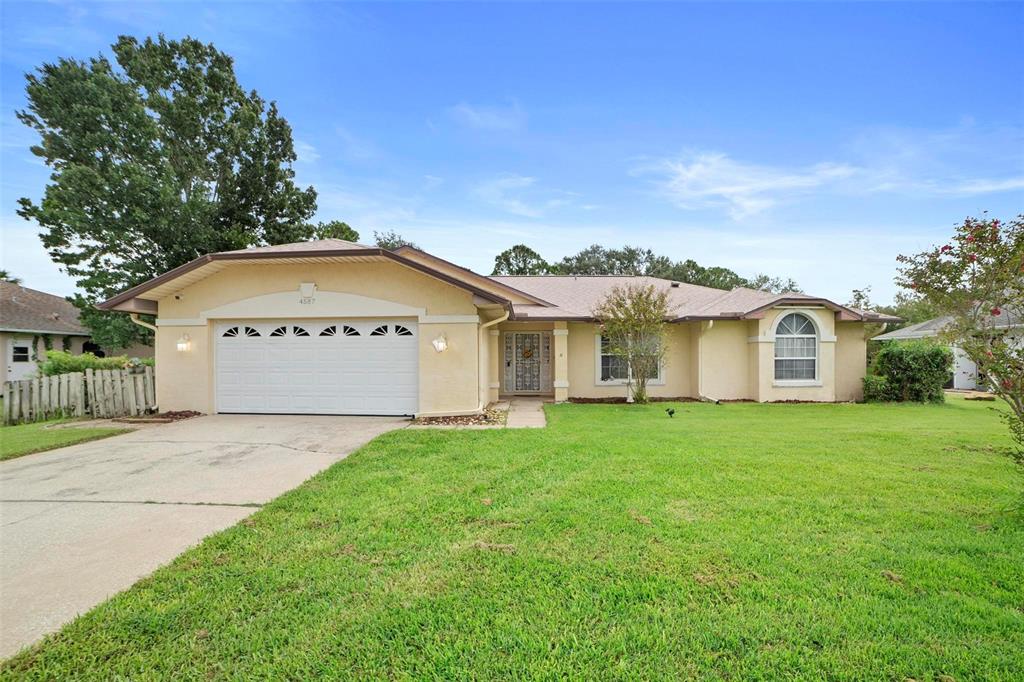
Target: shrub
{"points": [[876, 389], [62, 362], [913, 371]]}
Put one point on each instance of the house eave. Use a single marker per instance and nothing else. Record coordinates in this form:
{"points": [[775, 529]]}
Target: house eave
{"points": [[124, 302]]}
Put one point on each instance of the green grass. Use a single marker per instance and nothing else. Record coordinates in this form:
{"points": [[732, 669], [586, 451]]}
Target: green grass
{"points": [[25, 439], [738, 541]]}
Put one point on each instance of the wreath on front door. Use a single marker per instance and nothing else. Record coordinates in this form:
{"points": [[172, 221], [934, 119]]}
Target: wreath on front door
{"points": [[527, 353]]}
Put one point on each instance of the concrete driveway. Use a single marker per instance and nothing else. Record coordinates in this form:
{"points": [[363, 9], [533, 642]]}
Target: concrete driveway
{"points": [[81, 523]]}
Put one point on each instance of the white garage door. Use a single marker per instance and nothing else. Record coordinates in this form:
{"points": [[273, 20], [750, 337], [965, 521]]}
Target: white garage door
{"points": [[323, 367]]}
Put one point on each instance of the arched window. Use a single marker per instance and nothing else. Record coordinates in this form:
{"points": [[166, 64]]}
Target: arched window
{"points": [[796, 349]]}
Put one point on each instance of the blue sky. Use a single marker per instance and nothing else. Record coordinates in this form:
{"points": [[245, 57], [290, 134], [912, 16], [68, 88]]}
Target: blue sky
{"points": [[813, 141]]}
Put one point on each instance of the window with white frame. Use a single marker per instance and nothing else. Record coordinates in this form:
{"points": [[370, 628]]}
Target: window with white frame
{"points": [[614, 369], [796, 349]]}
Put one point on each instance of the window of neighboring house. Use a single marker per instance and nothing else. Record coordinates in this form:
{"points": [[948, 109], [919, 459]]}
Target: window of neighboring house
{"points": [[19, 354], [796, 349], [614, 368]]}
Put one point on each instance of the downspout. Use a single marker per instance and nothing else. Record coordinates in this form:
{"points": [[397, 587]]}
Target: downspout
{"points": [[700, 365], [480, 403], [135, 318]]}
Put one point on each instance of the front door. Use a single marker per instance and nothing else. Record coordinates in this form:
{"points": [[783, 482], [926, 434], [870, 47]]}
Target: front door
{"points": [[527, 362], [19, 359]]}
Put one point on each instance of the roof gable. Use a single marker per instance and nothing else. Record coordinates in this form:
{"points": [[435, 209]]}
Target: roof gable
{"points": [[142, 298]]}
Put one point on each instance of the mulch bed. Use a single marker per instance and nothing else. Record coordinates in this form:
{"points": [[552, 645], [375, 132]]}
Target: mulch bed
{"points": [[487, 418], [160, 417]]}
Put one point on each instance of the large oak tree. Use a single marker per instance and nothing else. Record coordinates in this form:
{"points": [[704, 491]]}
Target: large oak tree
{"points": [[157, 157]]}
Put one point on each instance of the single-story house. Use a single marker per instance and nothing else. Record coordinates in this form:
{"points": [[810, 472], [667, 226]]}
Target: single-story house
{"points": [[334, 327], [965, 372], [33, 321]]}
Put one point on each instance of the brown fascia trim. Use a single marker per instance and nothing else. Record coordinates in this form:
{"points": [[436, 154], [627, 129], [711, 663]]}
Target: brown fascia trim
{"points": [[136, 291], [522, 293]]}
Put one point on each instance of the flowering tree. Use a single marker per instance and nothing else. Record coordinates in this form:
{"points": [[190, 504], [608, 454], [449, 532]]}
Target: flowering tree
{"points": [[977, 279], [633, 321]]}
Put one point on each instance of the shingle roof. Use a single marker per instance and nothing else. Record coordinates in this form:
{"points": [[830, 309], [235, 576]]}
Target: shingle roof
{"points": [[576, 296], [23, 309], [315, 245], [569, 296], [934, 326]]}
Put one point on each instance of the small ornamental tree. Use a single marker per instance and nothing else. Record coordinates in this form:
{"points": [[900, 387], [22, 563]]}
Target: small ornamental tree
{"points": [[977, 280], [633, 321]]}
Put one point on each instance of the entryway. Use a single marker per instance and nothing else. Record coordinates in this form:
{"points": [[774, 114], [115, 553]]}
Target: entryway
{"points": [[19, 358], [527, 363]]}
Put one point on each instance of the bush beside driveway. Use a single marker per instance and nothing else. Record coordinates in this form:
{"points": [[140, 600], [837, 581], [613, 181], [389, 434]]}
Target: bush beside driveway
{"points": [[742, 541]]}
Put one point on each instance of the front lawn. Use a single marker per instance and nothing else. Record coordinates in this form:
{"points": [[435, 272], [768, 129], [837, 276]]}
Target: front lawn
{"points": [[25, 439], [737, 541]]}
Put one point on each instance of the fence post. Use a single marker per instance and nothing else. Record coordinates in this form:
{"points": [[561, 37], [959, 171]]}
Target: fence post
{"points": [[131, 405], [79, 394], [150, 389], [7, 402], [37, 402], [17, 400]]}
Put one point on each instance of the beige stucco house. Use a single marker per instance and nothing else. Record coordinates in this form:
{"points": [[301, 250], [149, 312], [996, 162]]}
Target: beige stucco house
{"points": [[333, 327]]}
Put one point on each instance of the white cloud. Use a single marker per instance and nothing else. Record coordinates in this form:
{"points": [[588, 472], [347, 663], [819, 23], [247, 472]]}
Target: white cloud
{"points": [[356, 148], [918, 164], [490, 118], [497, 193], [710, 179], [521, 195], [306, 152], [986, 186]]}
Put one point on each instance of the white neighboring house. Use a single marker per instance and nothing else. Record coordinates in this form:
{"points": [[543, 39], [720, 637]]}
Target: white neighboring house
{"points": [[965, 372], [31, 320]]}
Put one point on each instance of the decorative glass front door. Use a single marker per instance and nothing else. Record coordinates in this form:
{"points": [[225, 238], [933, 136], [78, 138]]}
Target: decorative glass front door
{"points": [[528, 362]]}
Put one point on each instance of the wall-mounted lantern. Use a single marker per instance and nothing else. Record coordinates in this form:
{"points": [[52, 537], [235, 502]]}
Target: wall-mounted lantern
{"points": [[440, 344], [185, 343]]}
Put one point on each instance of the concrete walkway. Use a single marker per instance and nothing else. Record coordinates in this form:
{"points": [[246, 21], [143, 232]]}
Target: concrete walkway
{"points": [[526, 413], [80, 523]]}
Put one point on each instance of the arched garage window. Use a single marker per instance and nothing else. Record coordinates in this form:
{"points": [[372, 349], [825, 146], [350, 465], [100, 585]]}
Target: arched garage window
{"points": [[796, 349]]}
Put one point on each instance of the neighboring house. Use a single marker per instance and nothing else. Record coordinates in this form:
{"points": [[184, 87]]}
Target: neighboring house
{"points": [[31, 320], [333, 327], [965, 372]]}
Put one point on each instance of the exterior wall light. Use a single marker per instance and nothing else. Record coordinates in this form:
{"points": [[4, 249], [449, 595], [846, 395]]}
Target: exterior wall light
{"points": [[440, 344], [185, 343]]}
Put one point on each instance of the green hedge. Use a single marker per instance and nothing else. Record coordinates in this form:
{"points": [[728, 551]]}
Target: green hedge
{"points": [[913, 371], [62, 362]]}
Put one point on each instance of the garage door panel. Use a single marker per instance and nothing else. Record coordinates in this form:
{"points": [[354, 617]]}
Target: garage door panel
{"points": [[317, 374]]}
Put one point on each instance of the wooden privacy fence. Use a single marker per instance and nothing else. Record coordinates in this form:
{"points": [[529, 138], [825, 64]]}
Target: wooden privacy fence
{"points": [[101, 393]]}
